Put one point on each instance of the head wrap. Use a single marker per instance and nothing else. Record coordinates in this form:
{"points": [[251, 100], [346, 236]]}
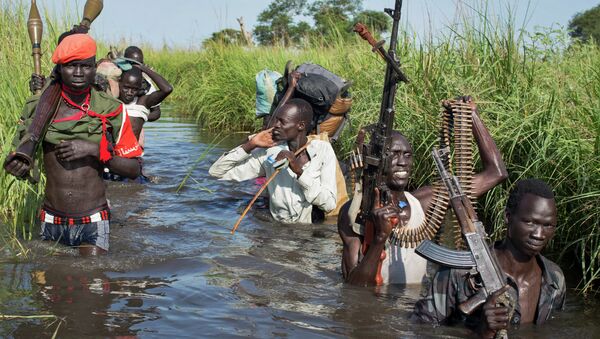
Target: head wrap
{"points": [[74, 47]]}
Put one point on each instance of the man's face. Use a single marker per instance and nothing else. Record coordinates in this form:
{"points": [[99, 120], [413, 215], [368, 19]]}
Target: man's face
{"points": [[399, 163], [286, 126], [129, 86], [533, 225], [79, 74]]}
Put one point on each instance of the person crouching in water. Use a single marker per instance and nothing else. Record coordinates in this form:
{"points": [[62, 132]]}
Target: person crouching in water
{"points": [[310, 178], [76, 147]]}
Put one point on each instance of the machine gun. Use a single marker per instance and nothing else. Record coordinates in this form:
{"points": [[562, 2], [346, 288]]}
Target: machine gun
{"points": [[372, 157], [370, 160], [478, 257]]}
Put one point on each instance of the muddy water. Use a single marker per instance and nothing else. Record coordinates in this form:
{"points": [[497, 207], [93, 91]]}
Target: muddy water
{"points": [[175, 270]]}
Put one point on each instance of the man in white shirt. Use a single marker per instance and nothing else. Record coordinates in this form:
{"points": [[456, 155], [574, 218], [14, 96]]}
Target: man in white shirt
{"points": [[308, 180]]}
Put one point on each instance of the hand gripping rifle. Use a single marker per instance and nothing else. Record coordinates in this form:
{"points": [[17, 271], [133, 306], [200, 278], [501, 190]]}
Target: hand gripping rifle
{"points": [[50, 97], [373, 157], [478, 257]]}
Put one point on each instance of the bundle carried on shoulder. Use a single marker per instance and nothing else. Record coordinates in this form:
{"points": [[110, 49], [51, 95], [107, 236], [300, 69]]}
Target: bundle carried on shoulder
{"points": [[326, 92]]}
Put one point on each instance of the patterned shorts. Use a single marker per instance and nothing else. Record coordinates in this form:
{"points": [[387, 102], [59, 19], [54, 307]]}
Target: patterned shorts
{"points": [[93, 229]]}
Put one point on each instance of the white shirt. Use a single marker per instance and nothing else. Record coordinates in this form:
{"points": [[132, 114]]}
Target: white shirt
{"points": [[152, 88], [291, 197]]}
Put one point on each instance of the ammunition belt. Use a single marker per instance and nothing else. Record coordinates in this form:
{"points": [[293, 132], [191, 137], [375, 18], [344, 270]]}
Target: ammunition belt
{"points": [[456, 130]]}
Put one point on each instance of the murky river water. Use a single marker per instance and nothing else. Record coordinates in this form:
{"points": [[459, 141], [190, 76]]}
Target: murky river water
{"points": [[175, 270]]}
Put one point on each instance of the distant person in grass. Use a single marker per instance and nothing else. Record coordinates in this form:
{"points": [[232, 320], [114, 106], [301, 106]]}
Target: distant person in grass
{"points": [[536, 283], [90, 131], [303, 191]]}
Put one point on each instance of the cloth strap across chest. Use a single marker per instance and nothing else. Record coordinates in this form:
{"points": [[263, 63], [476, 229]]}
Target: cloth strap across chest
{"points": [[84, 110]]}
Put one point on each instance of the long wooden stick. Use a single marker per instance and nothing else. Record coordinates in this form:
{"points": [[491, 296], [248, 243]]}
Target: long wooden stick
{"points": [[237, 223]]}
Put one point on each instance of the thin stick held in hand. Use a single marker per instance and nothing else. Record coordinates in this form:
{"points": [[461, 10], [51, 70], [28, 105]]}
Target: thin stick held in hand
{"points": [[237, 223]]}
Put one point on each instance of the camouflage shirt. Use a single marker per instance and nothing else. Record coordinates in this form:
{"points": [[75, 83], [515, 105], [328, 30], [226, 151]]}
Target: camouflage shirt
{"points": [[451, 287]]}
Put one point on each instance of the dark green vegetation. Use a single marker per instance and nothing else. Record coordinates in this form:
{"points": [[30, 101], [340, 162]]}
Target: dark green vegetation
{"points": [[585, 26], [539, 97]]}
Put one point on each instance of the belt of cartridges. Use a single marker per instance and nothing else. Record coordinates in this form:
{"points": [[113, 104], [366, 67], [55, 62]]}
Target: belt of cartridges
{"points": [[456, 129]]}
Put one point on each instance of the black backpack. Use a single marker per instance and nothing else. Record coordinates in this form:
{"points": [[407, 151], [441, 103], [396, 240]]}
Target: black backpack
{"points": [[317, 85]]}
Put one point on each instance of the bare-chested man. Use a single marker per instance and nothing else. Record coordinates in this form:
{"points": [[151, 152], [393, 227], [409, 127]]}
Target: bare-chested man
{"points": [[90, 131], [534, 282], [403, 265]]}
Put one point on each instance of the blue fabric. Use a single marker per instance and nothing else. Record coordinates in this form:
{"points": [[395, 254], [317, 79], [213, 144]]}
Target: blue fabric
{"points": [[123, 64], [95, 233], [266, 88]]}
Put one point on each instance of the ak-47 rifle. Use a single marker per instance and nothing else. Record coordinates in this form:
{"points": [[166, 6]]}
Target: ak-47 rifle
{"points": [[50, 97], [372, 157], [478, 257]]}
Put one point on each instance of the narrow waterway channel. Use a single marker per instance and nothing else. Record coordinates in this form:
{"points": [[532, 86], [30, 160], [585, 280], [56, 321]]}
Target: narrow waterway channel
{"points": [[175, 270]]}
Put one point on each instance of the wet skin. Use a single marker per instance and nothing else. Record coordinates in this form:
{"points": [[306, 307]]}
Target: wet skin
{"points": [[130, 83], [74, 183], [530, 228], [288, 127], [129, 86], [363, 271]]}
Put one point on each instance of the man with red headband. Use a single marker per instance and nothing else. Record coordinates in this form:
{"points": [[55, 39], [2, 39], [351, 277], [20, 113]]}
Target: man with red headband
{"points": [[90, 131]]}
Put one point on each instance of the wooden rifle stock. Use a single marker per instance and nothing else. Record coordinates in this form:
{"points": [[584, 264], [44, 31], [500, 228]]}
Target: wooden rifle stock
{"points": [[364, 33]]}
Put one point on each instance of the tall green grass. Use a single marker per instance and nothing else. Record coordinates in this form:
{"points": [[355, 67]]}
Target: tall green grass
{"points": [[19, 199], [539, 97]]}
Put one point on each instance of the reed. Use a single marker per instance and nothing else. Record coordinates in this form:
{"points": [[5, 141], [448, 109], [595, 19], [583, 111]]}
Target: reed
{"points": [[20, 199], [538, 95]]}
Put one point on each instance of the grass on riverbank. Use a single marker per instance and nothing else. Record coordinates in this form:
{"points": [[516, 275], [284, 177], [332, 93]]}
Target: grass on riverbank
{"points": [[539, 97], [20, 199]]}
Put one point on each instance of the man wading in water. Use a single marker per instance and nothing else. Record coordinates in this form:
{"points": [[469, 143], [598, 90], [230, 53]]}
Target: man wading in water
{"points": [[310, 178], [403, 265], [534, 282], [76, 148]]}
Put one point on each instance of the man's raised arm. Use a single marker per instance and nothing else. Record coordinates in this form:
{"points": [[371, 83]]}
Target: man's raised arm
{"points": [[240, 164], [494, 170]]}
